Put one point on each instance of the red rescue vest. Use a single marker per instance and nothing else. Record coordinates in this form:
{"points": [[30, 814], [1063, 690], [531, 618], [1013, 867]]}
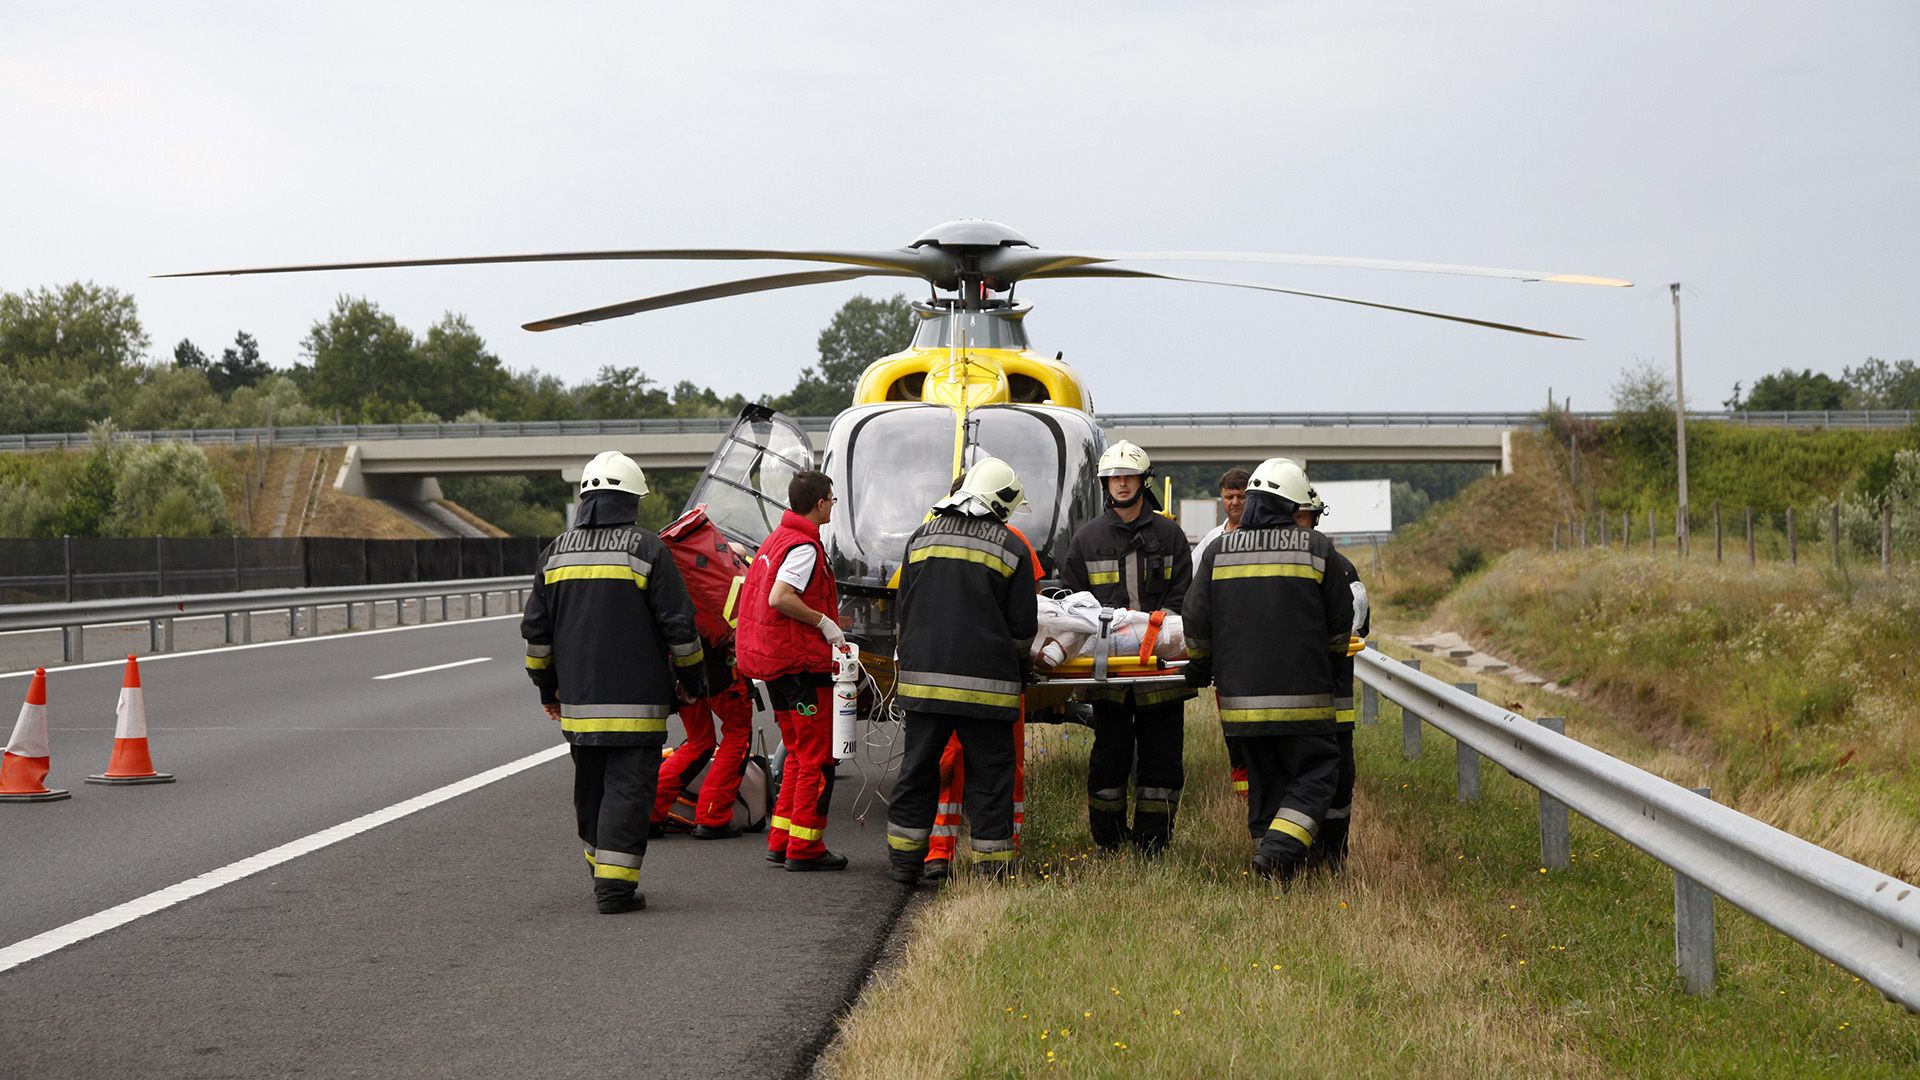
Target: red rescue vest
{"points": [[769, 644]]}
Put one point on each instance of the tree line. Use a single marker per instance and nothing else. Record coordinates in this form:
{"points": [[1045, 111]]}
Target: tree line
{"points": [[77, 354], [76, 357]]}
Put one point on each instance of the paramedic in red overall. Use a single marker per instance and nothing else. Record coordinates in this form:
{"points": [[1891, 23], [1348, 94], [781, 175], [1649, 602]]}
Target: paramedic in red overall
{"points": [[789, 609]]}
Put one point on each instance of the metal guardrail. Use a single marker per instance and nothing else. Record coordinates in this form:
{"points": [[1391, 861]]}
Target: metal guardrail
{"points": [[159, 612], [341, 434], [1855, 916]]}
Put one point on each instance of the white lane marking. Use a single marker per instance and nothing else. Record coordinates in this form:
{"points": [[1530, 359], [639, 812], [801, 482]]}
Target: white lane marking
{"points": [[222, 650], [81, 929], [436, 667]]}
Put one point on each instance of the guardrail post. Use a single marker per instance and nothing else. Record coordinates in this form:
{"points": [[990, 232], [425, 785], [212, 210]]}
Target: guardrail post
{"points": [[313, 620], [1693, 930], [160, 635], [399, 613], [486, 607], [443, 607], [1555, 842], [1369, 701], [293, 622], [1410, 725], [246, 628], [226, 623], [1466, 760], [73, 644], [466, 605], [351, 609]]}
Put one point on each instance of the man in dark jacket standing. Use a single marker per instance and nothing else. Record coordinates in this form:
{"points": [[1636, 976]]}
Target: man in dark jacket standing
{"points": [[1266, 618], [1132, 557], [610, 632], [967, 614]]}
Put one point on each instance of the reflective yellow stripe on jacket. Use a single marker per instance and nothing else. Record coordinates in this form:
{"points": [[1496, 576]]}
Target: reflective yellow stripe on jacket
{"points": [[937, 686], [626, 719], [597, 566]]}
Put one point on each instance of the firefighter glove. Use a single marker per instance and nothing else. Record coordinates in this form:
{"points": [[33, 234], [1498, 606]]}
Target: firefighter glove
{"points": [[1197, 672]]}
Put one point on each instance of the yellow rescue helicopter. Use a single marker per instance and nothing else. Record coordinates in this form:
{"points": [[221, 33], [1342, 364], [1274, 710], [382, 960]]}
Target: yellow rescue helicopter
{"points": [[969, 386]]}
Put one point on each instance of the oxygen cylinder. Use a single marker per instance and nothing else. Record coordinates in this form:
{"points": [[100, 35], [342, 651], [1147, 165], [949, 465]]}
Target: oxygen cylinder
{"points": [[846, 699]]}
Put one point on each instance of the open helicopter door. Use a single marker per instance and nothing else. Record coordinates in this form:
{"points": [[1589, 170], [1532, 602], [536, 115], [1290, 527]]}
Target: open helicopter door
{"points": [[744, 487]]}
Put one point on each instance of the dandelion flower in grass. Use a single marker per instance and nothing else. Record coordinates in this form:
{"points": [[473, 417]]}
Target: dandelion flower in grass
{"points": [[1120, 1045], [1343, 905], [1089, 1014], [1543, 869], [1176, 1012]]}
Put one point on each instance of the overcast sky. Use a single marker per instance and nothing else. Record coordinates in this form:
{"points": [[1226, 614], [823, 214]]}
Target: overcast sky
{"points": [[1765, 154]]}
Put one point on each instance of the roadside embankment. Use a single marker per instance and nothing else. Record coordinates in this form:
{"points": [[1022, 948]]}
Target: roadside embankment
{"points": [[1796, 691], [1443, 950]]}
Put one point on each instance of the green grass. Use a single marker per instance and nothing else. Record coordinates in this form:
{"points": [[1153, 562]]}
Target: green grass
{"points": [[1442, 951]]}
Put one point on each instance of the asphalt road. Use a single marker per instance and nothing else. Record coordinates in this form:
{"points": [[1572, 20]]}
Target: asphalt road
{"points": [[459, 940]]}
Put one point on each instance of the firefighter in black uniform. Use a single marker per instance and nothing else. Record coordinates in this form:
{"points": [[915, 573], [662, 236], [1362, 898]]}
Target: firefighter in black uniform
{"points": [[1266, 618], [967, 614], [1135, 558], [1330, 848], [610, 632]]}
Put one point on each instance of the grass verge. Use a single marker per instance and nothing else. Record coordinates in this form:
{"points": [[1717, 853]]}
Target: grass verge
{"points": [[1442, 951]]}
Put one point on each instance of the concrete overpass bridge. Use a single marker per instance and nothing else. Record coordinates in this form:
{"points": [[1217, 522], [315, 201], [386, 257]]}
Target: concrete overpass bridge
{"points": [[402, 461], [406, 467]]}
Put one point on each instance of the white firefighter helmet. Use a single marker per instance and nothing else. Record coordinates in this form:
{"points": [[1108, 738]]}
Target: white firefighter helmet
{"points": [[612, 470], [1284, 477], [1124, 459], [991, 483]]}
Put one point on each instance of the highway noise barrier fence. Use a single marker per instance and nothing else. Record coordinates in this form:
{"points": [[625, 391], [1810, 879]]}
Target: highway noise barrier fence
{"points": [[23, 769], [131, 763], [1864, 921], [73, 568]]}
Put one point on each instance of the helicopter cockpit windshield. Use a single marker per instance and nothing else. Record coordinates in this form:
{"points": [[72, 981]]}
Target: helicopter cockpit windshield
{"points": [[745, 486], [894, 461]]}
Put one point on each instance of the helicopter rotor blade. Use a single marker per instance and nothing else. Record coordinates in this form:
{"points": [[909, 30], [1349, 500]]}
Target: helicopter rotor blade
{"points": [[1119, 272], [711, 292], [900, 259], [1026, 264]]}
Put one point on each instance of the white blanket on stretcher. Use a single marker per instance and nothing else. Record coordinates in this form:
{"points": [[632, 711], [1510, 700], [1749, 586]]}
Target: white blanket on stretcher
{"points": [[1069, 625]]}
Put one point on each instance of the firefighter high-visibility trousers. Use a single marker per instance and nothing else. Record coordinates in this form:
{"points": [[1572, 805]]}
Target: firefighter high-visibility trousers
{"points": [[1290, 785], [1144, 741], [806, 780], [612, 795], [987, 751], [953, 785], [733, 707]]}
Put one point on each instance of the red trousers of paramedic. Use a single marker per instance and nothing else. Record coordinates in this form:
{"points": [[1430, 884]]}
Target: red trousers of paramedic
{"points": [[806, 780], [953, 784], [725, 758]]}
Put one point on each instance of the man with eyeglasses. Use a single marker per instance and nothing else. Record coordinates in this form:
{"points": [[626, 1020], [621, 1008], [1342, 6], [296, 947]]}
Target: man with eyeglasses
{"points": [[789, 628]]}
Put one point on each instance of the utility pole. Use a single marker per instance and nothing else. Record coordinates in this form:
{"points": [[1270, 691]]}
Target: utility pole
{"points": [[1680, 419]]}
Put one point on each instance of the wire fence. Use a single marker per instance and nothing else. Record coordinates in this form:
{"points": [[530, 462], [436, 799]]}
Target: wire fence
{"points": [[74, 568], [1841, 535]]}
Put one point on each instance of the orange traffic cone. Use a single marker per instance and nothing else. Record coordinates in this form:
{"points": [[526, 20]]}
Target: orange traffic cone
{"points": [[130, 763], [23, 769]]}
